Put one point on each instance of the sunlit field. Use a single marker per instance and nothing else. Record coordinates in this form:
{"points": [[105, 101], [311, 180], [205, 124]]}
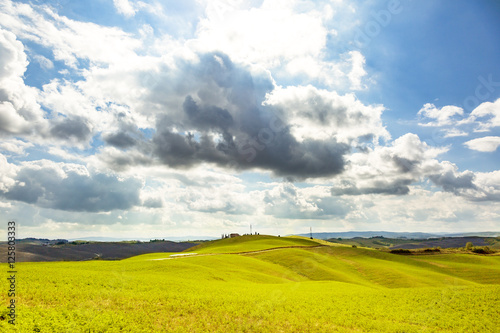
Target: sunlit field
{"points": [[301, 287]]}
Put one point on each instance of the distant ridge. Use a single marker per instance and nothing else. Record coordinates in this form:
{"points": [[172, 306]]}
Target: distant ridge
{"points": [[390, 234], [142, 239], [40, 251]]}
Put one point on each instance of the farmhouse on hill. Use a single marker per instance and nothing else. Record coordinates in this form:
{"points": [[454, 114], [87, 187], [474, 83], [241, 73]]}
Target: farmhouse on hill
{"points": [[230, 235]]}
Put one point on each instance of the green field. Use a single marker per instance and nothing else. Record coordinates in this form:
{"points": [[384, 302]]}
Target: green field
{"points": [[261, 284]]}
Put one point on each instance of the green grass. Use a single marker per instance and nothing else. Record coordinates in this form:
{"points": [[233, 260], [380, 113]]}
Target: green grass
{"points": [[251, 243], [293, 289]]}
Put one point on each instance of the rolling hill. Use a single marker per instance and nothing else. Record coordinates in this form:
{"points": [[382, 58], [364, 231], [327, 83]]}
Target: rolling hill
{"points": [[262, 284], [249, 243]]}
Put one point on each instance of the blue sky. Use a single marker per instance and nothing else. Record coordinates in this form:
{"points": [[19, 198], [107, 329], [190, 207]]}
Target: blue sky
{"points": [[157, 118]]}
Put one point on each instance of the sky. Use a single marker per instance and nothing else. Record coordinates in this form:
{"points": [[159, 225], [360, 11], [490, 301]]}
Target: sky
{"points": [[157, 119]]}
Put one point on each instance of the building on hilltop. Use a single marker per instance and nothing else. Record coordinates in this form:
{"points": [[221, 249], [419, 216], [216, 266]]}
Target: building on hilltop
{"points": [[234, 235]]}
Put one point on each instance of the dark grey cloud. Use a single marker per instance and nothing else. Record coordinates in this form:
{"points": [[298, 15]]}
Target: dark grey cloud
{"points": [[76, 128], [178, 150], [405, 165], [50, 187], [222, 121], [451, 182], [120, 140], [209, 117]]}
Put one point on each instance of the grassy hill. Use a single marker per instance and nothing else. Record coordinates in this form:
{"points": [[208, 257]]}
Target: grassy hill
{"points": [[249, 243], [265, 284]]}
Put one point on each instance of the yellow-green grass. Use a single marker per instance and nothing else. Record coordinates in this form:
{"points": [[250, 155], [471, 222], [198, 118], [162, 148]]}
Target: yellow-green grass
{"points": [[308, 289], [250, 243]]}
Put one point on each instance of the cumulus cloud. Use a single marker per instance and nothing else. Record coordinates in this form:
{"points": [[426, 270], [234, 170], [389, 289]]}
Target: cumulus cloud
{"points": [[453, 181], [71, 129], [291, 38], [488, 184], [288, 201], [68, 39], [486, 116], [7, 174], [388, 169], [76, 115], [68, 187], [222, 199], [357, 71], [210, 110], [19, 110], [483, 118], [394, 187], [478, 186], [486, 144], [15, 146], [231, 27], [120, 140], [440, 116], [319, 114]]}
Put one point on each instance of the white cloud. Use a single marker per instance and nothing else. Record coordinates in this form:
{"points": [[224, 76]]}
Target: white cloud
{"points": [[485, 144], [8, 173], [486, 115], [286, 202], [357, 72], [489, 185], [454, 132], [267, 35], [320, 114], [484, 118], [389, 169], [124, 7], [15, 146], [422, 210], [290, 38], [68, 39], [442, 117], [19, 110]]}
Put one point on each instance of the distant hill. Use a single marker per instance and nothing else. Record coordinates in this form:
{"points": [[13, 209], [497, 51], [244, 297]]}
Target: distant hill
{"points": [[447, 242], [34, 250], [115, 239], [473, 234], [390, 234], [368, 234], [380, 242]]}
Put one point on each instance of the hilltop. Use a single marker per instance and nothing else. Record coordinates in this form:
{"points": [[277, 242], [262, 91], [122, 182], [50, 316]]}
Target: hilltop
{"points": [[249, 243]]}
